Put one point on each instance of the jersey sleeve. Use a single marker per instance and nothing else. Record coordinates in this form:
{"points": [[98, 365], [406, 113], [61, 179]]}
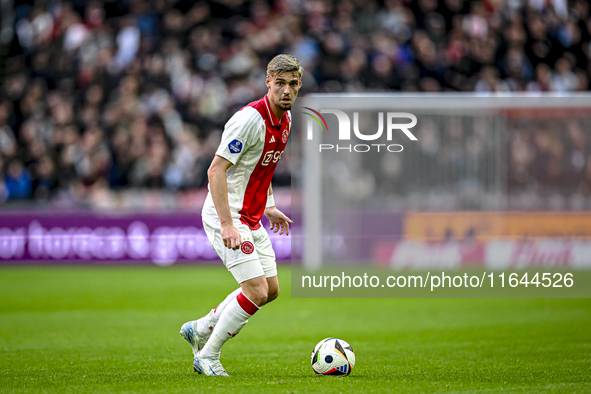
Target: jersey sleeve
{"points": [[238, 134]]}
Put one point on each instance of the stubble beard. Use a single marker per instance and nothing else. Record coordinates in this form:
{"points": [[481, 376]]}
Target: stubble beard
{"points": [[284, 107]]}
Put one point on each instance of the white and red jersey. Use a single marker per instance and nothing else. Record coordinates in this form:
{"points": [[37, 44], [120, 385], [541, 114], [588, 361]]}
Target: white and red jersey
{"points": [[253, 141]]}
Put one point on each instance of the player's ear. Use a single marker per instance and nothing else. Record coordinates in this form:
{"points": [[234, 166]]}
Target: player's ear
{"points": [[268, 82]]}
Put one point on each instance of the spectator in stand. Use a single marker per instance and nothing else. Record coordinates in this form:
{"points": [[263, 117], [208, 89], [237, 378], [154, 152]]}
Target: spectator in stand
{"points": [[18, 180]]}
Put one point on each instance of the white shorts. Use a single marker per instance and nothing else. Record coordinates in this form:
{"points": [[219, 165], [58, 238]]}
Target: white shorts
{"points": [[254, 258]]}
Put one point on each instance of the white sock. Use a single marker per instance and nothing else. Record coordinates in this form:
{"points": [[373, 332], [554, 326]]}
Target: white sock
{"points": [[205, 326], [234, 317], [217, 312]]}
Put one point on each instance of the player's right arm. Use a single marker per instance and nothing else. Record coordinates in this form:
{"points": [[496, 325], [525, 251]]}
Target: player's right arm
{"points": [[235, 141], [218, 187]]}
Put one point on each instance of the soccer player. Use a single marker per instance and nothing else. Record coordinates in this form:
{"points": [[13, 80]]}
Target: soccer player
{"points": [[239, 193]]}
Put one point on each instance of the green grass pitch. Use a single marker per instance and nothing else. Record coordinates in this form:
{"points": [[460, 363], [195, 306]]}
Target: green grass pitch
{"points": [[115, 330]]}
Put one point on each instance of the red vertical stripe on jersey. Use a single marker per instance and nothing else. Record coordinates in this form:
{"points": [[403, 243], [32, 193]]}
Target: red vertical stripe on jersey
{"points": [[255, 196], [246, 304]]}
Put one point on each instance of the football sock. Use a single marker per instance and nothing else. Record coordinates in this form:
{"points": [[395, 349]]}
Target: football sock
{"points": [[234, 317], [206, 325]]}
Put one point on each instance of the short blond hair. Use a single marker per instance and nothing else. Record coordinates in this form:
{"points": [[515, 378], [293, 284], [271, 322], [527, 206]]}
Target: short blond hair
{"points": [[284, 63]]}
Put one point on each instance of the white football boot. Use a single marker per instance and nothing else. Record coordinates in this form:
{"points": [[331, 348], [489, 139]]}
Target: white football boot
{"points": [[191, 334], [210, 366]]}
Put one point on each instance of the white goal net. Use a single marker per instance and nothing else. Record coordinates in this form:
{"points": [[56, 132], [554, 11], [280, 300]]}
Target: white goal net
{"points": [[368, 187]]}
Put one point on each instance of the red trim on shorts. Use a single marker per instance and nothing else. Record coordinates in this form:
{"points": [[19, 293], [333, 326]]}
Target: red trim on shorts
{"points": [[247, 305]]}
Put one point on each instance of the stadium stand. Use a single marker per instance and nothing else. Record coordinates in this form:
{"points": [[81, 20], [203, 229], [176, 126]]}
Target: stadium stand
{"points": [[106, 95]]}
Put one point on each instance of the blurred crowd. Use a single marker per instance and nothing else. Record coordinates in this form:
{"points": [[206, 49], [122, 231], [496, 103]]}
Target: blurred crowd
{"points": [[550, 161], [477, 160], [110, 94]]}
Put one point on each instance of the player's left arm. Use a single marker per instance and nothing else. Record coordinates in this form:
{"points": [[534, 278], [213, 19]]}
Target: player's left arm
{"points": [[277, 218]]}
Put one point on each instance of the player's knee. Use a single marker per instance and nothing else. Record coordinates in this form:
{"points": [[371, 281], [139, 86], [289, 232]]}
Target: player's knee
{"points": [[257, 292], [259, 296]]}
